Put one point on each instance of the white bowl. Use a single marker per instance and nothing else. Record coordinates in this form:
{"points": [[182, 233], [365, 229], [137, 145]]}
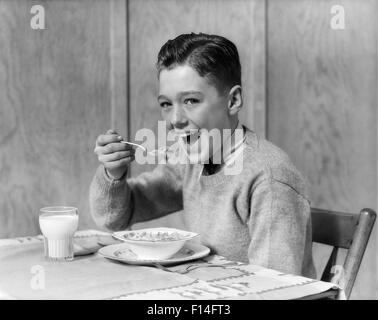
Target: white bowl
{"points": [[155, 243]]}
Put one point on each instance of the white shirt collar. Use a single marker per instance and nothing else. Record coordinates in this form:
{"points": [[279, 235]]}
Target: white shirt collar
{"points": [[232, 150]]}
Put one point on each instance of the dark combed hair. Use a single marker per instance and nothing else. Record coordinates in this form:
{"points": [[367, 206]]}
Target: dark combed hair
{"points": [[212, 56]]}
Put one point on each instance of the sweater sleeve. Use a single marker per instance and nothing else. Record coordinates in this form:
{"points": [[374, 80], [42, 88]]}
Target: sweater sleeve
{"points": [[118, 204], [280, 228]]}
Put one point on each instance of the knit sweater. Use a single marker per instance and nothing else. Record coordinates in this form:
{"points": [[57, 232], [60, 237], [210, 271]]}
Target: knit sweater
{"points": [[261, 216]]}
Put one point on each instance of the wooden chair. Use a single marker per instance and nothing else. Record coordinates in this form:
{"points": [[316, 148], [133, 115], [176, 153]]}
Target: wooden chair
{"points": [[343, 230]]}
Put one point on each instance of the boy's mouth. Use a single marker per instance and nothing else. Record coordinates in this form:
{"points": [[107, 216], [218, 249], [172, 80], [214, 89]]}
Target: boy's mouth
{"points": [[189, 137]]}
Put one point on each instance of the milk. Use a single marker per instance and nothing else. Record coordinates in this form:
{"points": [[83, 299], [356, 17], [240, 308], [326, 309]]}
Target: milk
{"points": [[58, 230]]}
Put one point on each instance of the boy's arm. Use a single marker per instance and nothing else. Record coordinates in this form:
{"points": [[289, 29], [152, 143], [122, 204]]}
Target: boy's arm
{"points": [[280, 228], [117, 204]]}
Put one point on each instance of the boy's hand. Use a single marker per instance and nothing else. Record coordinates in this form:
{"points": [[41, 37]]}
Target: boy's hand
{"points": [[114, 155]]}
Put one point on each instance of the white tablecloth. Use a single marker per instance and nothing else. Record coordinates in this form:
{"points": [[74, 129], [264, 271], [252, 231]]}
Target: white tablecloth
{"points": [[25, 274]]}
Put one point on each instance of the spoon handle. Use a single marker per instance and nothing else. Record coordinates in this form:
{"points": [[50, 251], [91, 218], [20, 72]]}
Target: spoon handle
{"points": [[134, 144]]}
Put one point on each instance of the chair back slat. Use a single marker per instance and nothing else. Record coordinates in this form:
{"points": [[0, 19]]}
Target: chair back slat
{"points": [[356, 252], [343, 230], [333, 228]]}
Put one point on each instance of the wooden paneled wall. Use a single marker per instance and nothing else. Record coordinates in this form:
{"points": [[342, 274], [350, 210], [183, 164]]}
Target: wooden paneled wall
{"points": [[56, 96], [322, 105]]}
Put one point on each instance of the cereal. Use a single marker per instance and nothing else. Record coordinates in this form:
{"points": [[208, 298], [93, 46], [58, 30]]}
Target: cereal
{"points": [[155, 236]]}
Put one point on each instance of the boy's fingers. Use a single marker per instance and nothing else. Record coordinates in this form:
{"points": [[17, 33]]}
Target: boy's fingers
{"points": [[118, 163], [115, 156], [105, 139], [115, 147], [112, 148]]}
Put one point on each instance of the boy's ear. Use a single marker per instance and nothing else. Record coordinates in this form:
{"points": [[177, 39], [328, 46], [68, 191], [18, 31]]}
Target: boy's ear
{"points": [[235, 102]]}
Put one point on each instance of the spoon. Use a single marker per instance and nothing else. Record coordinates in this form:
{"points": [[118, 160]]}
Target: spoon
{"points": [[161, 150], [134, 144], [189, 268]]}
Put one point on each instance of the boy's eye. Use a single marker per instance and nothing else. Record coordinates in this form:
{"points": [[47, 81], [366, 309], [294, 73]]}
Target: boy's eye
{"points": [[191, 101], [164, 104]]}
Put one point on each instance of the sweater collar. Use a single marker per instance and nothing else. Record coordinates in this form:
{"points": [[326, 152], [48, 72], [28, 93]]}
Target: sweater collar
{"points": [[232, 146]]}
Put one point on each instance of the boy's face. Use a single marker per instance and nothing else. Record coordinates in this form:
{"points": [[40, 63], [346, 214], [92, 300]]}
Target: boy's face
{"points": [[190, 102]]}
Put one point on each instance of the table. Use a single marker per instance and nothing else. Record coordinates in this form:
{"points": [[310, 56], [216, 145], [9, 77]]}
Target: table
{"points": [[25, 274]]}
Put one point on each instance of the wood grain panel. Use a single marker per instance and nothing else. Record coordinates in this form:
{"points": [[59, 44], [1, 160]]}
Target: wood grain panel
{"points": [[55, 100], [322, 109], [119, 67]]}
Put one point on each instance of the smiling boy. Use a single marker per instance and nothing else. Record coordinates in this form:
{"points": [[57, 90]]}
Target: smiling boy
{"points": [[260, 215]]}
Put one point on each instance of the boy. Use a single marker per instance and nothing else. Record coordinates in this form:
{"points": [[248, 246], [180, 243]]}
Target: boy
{"points": [[260, 216]]}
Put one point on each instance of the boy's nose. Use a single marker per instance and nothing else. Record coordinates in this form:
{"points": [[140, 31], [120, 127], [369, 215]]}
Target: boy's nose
{"points": [[178, 119]]}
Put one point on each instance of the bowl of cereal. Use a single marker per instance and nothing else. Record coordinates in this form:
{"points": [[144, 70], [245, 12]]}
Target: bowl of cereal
{"points": [[155, 243]]}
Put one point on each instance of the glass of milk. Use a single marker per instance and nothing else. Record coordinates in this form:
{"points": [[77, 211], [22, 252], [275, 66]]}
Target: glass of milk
{"points": [[58, 226]]}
